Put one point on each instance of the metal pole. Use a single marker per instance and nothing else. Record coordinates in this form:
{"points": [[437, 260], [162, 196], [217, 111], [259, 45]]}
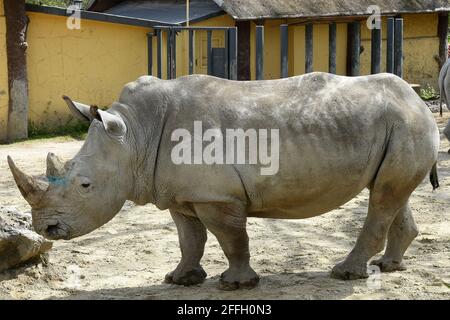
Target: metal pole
{"points": [[259, 52], [284, 64], [332, 48], [309, 48], [390, 45], [187, 13], [398, 48]]}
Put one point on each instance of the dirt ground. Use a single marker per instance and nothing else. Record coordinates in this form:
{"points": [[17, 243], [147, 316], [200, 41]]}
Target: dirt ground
{"points": [[128, 257]]}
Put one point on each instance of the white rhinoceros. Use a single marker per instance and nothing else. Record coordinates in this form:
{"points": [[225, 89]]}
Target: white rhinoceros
{"points": [[337, 136]]}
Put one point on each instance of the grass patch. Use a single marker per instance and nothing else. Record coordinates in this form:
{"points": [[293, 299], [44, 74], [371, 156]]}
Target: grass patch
{"points": [[76, 130]]}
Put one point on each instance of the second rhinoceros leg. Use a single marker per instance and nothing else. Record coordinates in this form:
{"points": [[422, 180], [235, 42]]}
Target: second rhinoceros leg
{"points": [[192, 237], [228, 223], [401, 233]]}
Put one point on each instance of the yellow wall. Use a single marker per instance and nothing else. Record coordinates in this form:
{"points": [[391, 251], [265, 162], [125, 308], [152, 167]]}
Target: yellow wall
{"points": [[90, 65], [200, 47], [421, 46], [3, 77]]}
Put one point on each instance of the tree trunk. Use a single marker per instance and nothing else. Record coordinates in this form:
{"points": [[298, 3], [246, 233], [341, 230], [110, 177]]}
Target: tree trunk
{"points": [[16, 46]]}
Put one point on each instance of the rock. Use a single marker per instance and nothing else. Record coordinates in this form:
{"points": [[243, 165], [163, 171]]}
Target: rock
{"points": [[18, 243], [434, 106]]}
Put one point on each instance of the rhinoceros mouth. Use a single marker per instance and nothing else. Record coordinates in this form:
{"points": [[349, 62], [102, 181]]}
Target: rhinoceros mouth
{"points": [[55, 232]]}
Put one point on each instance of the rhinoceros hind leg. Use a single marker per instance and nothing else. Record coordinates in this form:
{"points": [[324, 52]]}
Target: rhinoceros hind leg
{"points": [[401, 233], [192, 237], [389, 195], [228, 223]]}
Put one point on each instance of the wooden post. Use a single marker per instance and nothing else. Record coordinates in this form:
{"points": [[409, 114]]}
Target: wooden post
{"points": [[209, 52], [390, 45], [376, 51], [398, 48], [332, 48], [16, 47], [159, 52], [174, 55], [169, 54], [244, 45], [233, 41], [309, 48], [150, 53], [443, 38], [353, 49], [284, 51], [191, 51], [227, 54], [259, 52]]}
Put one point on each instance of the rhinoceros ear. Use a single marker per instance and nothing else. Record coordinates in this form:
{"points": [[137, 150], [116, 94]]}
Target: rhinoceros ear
{"points": [[114, 125], [79, 110]]}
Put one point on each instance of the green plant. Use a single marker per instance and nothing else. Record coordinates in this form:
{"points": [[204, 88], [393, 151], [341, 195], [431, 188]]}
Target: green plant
{"points": [[75, 129], [429, 93], [56, 3]]}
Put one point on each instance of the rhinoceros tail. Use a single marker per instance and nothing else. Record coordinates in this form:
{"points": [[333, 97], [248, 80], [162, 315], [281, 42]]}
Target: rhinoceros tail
{"points": [[434, 177]]}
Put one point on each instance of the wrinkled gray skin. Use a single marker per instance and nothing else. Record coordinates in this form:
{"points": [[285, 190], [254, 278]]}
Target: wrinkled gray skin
{"points": [[338, 136], [444, 86]]}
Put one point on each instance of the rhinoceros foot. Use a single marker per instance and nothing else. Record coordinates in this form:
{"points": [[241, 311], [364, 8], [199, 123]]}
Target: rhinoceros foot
{"points": [[349, 271], [389, 265], [232, 280], [186, 278]]}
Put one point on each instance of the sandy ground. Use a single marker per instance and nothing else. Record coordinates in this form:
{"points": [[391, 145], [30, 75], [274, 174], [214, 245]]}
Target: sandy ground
{"points": [[128, 257]]}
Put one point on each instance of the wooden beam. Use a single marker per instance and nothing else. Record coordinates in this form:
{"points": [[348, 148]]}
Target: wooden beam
{"points": [[284, 51], [443, 38], [390, 45], [332, 48], [398, 47], [150, 53], [233, 53], [353, 48], [244, 68], [259, 53], [375, 63], [209, 51], [169, 53], [191, 51], [159, 53], [309, 48]]}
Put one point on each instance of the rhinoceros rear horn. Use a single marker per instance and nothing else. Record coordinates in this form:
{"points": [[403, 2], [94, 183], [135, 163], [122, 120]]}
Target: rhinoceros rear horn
{"points": [[79, 110], [31, 188], [55, 167]]}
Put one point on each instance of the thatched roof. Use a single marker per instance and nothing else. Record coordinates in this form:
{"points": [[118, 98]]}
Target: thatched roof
{"points": [[270, 9], [266, 9]]}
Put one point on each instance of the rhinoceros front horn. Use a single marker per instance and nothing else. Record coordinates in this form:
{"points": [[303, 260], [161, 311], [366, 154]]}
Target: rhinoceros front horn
{"points": [[55, 167], [31, 188]]}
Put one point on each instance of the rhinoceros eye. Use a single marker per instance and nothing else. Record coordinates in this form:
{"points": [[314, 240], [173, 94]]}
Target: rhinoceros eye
{"points": [[86, 185]]}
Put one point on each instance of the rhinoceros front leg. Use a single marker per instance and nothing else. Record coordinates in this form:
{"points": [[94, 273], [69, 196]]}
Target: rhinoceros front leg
{"points": [[228, 223], [192, 237]]}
